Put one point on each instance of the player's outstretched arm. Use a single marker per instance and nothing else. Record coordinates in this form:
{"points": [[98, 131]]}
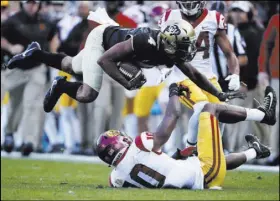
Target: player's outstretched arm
{"points": [[108, 61], [170, 118], [232, 61], [199, 79]]}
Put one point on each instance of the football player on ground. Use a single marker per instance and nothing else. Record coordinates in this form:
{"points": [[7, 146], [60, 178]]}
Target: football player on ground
{"points": [[209, 27], [174, 44], [140, 162]]}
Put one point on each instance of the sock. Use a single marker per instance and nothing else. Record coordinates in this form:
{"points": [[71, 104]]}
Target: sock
{"points": [[254, 115], [193, 123], [130, 125], [50, 59], [71, 88], [76, 126], [192, 129], [222, 128], [65, 128], [50, 128], [250, 154]]}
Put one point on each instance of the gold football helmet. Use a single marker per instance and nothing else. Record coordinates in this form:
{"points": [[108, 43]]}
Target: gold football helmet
{"points": [[178, 40]]}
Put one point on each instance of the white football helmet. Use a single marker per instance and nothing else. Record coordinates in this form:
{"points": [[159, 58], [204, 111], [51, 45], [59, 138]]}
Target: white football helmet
{"points": [[190, 8], [178, 39]]}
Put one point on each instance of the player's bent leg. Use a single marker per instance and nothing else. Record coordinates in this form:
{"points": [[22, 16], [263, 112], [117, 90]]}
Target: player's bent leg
{"points": [[130, 120], [34, 55], [143, 103], [265, 113], [255, 150], [76, 90], [210, 151], [196, 96]]}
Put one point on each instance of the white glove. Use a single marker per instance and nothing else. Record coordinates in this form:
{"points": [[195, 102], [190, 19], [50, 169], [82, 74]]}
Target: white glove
{"points": [[234, 82]]}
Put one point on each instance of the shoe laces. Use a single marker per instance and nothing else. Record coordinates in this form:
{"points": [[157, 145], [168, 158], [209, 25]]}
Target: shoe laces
{"points": [[266, 102]]}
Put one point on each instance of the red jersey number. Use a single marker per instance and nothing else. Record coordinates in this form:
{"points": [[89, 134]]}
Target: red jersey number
{"points": [[203, 36]]}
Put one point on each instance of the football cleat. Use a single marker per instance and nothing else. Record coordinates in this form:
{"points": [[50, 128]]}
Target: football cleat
{"points": [[23, 60], [9, 143], [53, 93], [26, 149], [253, 142], [269, 106]]}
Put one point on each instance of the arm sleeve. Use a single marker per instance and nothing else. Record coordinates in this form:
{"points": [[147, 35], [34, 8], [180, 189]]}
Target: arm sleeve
{"points": [[267, 41]]}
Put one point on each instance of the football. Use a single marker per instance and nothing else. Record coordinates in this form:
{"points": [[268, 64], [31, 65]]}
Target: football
{"points": [[129, 70]]}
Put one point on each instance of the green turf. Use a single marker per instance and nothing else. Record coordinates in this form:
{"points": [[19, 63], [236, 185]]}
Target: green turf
{"points": [[30, 179]]}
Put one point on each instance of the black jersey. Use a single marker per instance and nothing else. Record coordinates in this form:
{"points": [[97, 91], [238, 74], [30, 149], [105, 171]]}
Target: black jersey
{"points": [[145, 43]]}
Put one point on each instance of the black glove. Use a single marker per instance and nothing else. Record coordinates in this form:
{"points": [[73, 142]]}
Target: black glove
{"points": [[137, 82], [180, 90], [173, 90], [226, 96]]}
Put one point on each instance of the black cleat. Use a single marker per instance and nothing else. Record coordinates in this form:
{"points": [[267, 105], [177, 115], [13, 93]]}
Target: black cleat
{"points": [[57, 148], [23, 60], [53, 94], [269, 106], [27, 148], [9, 144], [253, 142]]}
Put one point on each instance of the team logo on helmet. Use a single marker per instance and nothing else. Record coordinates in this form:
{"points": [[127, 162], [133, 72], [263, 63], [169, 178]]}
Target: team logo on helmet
{"points": [[173, 30], [112, 133]]}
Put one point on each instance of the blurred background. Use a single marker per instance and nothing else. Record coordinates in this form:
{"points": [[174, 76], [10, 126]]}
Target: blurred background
{"points": [[72, 128]]}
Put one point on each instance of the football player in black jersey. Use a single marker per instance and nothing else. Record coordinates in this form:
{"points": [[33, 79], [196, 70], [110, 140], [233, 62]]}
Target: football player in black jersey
{"points": [[106, 47]]}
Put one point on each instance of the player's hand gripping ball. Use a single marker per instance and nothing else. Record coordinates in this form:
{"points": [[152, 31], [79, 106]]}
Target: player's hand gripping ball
{"points": [[133, 74]]}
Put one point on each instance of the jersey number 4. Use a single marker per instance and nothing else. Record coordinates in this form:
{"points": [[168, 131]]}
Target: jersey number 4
{"points": [[143, 174], [203, 36]]}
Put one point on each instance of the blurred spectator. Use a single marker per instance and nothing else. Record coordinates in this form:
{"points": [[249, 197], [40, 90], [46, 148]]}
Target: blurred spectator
{"points": [[243, 16], [114, 12], [220, 68], [26, 87], [269, 75], [72, 44], [81, 142]]}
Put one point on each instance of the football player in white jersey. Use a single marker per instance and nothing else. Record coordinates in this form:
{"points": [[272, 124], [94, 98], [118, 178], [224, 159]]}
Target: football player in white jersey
{"points": [[209, 27], [140, 162]]}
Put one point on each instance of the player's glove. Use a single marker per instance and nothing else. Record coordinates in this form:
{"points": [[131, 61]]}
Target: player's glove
{"points": [[137, 82], [234, 82], [226, 96], [175, 90]]}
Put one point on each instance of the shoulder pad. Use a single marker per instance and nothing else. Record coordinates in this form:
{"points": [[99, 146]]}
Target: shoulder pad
{"points": [[145, 141]]}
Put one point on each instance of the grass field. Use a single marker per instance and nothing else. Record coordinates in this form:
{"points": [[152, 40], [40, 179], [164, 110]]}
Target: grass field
{"points": [[33, 179]]}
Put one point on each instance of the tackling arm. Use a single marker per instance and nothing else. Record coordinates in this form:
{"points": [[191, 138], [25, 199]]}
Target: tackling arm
{"points": [[168, 123], [199, 79]]}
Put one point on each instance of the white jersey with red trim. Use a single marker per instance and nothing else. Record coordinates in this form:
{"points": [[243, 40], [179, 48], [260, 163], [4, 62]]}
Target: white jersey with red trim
{"points": [[143, 168], [205, 28]]}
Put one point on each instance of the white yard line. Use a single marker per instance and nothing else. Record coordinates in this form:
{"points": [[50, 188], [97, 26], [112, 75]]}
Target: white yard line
{"points": [[96, 160]]}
